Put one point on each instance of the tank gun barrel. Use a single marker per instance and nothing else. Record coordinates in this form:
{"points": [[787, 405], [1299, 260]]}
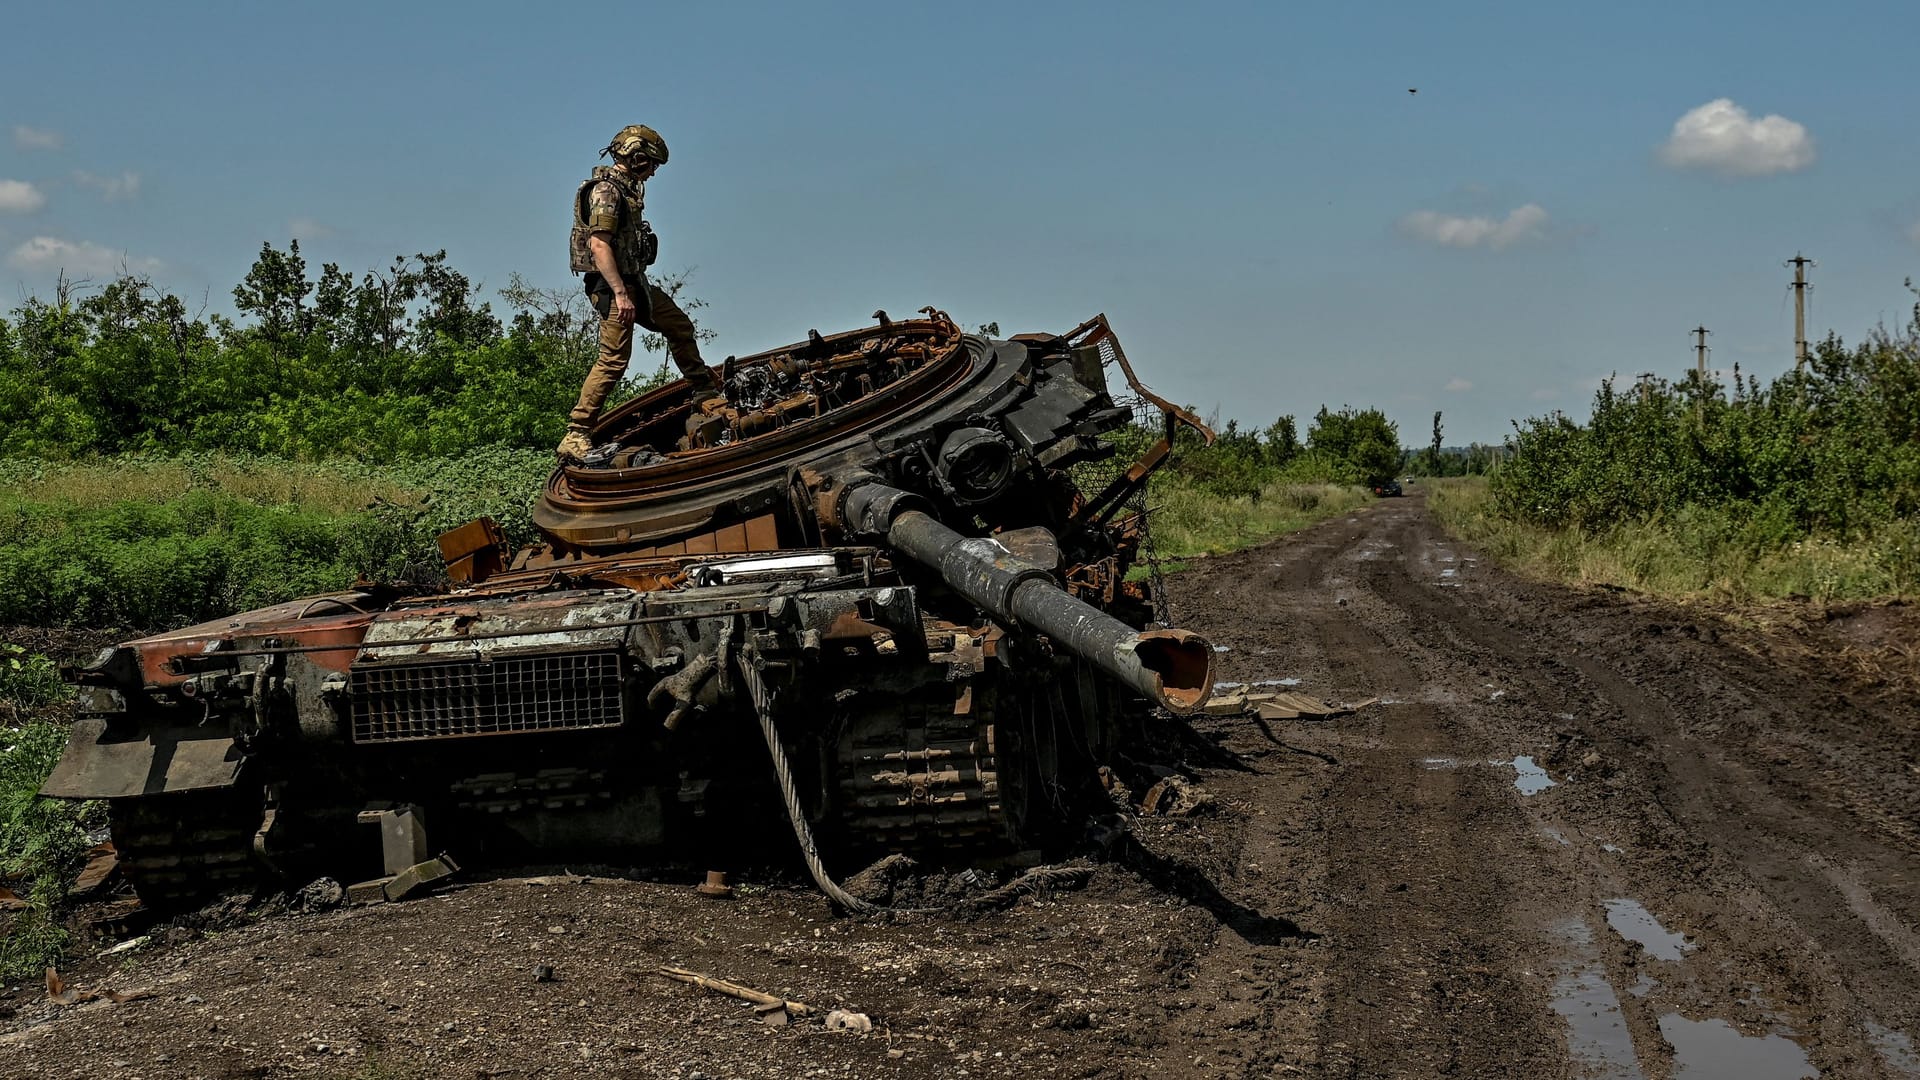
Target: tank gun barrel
{"points": [[1172, 667]]}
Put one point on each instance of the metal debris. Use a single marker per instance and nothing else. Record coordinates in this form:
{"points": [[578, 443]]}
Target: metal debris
{"points": [[1175, 797], [102, 863], [129, 945], [420, 876], [61, 992]]}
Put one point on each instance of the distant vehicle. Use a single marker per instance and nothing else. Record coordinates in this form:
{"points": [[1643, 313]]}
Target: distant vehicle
{"points": [[1387, 489]]}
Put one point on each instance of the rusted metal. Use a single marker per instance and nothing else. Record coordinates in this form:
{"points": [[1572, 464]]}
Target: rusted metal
{"points": [[877, 553]]}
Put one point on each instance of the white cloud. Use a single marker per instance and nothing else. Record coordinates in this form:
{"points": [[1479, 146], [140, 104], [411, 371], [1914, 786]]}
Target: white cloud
{"points": [[1457, 384], [20, 197], [27, 138], [305, 228], [124, 186], [1453, 230], [1721, 136], [47, 254]]}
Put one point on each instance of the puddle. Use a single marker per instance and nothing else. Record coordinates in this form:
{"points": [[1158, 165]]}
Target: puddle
{"points": [[1596, 1032], [1597, 1035], [1631, 920], [1556, 836], [1563, 716], [1896, 1050], [1223, 648], [1496, 695], [1611, 849], [1642, 986], [1448, 573], [1531, 779], [1711, 1049]]}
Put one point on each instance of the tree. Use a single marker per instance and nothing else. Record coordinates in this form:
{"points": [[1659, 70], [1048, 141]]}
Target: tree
{"points": [[1364, 440], [1433, 452], [274, 293], [1283, 440]]}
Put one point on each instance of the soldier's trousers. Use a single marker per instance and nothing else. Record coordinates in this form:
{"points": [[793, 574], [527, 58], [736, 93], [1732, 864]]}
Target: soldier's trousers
{"points": [[653, 310]]}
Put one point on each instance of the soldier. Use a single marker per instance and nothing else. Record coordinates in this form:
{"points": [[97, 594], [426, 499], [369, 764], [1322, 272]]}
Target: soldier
{"points": [[613, 245]]}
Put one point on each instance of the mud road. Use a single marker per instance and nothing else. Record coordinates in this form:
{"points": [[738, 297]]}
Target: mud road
{"points": [[1579, 836]]}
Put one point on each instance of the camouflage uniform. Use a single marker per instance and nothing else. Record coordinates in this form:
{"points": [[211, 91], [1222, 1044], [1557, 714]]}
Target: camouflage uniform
{"points": [[609, 201]]}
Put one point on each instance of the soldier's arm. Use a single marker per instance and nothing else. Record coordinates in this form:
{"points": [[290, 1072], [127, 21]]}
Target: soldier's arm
{"points": [[603, 213], [600, 245]]}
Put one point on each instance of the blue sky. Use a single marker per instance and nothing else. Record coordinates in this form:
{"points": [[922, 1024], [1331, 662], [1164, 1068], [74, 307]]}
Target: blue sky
{"points": [[1270, 219]]}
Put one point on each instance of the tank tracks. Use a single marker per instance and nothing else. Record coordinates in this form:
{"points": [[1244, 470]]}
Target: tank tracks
{"points": [[180, 850], [921, 773]]}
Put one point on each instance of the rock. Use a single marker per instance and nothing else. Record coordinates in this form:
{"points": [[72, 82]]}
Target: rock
{"points": [[543, 973], [320, 894], [1592, 760], [842, 1020]]}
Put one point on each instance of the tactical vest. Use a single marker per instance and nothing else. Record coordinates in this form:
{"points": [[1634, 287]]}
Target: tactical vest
{"points": [[634, 245]]}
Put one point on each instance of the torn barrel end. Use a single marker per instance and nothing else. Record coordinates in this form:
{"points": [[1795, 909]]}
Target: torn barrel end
{"points": [[1178, 665]]}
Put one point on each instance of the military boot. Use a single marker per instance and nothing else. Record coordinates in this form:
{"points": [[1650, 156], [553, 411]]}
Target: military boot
{"points": [[574, 447]]}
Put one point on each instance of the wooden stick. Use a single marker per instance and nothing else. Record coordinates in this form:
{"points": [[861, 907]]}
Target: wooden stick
{"points": [[735, 990]]}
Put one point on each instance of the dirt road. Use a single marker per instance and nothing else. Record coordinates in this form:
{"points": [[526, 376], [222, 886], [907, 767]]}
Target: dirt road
{"points": [[1580, 836]]}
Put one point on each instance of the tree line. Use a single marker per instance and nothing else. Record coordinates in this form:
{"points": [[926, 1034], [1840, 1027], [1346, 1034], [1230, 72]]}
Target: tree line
{"points": [[397, 363], [1832, 449]]}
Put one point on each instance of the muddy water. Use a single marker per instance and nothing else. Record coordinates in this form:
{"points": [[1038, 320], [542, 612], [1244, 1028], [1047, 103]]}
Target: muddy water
{"points": [[1631, 920], [1715, 1050]]}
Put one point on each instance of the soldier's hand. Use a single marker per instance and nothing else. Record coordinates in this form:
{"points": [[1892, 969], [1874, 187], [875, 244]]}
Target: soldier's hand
{"points": [[623, 308]]}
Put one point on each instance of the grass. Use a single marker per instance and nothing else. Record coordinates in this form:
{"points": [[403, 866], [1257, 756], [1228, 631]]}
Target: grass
{"points": [[1699, 553], [149, 542], [1188, 520], [336, 487]]}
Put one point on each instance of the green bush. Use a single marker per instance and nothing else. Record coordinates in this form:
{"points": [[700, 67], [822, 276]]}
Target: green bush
{"points": [[1809, 485], [41, 840]]}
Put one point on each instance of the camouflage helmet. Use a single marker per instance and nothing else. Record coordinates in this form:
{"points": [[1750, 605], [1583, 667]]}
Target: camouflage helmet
{"points": [[640, 140]]}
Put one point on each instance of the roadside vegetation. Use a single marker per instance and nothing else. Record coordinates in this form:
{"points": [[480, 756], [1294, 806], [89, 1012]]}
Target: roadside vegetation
{"points": [[41, 840], [1808, 486], [1251, 486]]}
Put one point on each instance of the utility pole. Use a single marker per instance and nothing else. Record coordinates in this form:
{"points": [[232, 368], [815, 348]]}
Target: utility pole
{"points": [[1800, 263], [1644, 378], [1700, 370]]}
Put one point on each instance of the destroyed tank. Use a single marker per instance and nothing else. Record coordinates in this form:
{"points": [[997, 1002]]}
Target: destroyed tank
{"points": [[878, 599]]}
